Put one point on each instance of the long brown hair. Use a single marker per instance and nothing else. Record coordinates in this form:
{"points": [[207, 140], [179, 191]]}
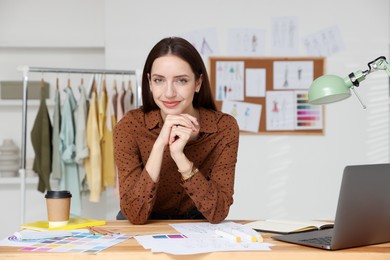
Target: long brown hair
{"points": [[183, 49]]}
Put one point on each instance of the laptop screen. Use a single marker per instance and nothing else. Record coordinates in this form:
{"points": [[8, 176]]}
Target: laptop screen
{"points": [[363, 209]]}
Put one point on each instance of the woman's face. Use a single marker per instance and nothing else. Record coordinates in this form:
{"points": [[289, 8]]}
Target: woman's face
{"points": [[173, 85]]}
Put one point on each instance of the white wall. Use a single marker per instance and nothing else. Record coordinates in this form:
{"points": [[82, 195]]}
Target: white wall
{"points": [[277, 175], [44, 33]]}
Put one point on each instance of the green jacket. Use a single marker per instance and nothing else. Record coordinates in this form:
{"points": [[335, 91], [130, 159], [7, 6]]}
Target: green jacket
{"points": [[41, 136]]}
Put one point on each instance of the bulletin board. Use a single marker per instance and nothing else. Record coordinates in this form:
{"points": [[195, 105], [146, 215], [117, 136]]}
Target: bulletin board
{"points": [[268, 95]]}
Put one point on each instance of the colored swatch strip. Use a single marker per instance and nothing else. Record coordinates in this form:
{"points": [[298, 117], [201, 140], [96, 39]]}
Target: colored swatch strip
{"points": [[169, 236], [79, 242], [307, 114]]}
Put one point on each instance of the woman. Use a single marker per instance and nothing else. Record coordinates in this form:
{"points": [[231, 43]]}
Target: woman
{"points": [[176, 155]]}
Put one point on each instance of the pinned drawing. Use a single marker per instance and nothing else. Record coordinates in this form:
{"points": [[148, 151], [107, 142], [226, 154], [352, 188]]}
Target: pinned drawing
{"points": [[246, 42], [324, 43], [285, 35], [205, 41], [293, 74], [205, 48], [255, 82], [299, 72], [285, 83], [247, 115], [280, 110], [234, 111], [254, 43], [230, 80]]}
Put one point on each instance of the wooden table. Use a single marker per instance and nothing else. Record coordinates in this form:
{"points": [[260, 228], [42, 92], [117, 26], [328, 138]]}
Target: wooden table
{"points": [[130, 249]]}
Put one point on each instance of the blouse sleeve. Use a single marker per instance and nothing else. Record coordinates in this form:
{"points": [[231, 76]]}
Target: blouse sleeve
{"points": [[137, 189], [213, 195]]}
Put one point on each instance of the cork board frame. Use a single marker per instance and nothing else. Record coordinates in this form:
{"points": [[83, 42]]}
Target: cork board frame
{"points": [[269, 64]]}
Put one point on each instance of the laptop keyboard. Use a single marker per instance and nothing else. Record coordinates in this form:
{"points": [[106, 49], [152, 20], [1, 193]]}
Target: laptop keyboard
{"points": [[318, 240]]}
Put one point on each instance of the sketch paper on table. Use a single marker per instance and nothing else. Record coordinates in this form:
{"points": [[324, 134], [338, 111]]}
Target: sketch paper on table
{"points": [[280, 110], [183, 245], [255, 80], [229, 80], [293, 74], [247, 115], [26, 234], [196, 238], [246, 42], [203, 229]]}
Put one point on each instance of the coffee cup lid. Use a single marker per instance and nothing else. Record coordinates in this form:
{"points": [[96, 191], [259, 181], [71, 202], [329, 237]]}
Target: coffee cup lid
{"points": [[58, 194]]}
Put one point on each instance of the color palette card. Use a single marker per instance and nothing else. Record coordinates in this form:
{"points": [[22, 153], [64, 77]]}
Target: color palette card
{"points": [[79, 242], [307, 116]]}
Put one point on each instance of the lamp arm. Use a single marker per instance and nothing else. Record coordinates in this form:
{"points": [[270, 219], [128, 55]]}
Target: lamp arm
{"points": [[379, 63], [355, 78]]}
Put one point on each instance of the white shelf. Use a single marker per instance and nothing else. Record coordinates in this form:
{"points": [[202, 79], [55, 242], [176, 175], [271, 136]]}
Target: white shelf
{"points": [[87, 46], [17, 180], [19, 103]]}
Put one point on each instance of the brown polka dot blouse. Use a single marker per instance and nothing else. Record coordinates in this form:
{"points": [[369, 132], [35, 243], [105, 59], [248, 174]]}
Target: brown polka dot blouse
{"points": [[214, 153]]}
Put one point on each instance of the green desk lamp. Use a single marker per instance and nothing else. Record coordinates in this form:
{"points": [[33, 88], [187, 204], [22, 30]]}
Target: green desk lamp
{"points": [[331, 88]]}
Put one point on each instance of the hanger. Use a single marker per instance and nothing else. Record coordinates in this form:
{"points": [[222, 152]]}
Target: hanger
{"points": [[123, 84], [42, 83], [68, 80], [104, 83], [57, 81], [130, 88], [94, 85], [114, 86]]}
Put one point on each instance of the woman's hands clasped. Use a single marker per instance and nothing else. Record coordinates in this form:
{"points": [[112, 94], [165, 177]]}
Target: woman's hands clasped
{"points": [[177, 131]]}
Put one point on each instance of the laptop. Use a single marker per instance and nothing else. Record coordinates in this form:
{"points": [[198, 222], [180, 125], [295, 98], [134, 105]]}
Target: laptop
{"points": [[362, 215]]}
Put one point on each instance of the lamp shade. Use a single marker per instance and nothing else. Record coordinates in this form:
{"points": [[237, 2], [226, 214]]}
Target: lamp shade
{"points": [[328, 89]]}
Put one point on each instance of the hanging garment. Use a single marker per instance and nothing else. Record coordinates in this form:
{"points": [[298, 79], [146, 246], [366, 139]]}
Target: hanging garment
{"points": [[128, 101], [70, 179], [82, 151], [120, 107], [114, 105], [114, 99], [102, 104], [41, 136], [120, 112], [93, 162], [56, 160], [106, 125]]}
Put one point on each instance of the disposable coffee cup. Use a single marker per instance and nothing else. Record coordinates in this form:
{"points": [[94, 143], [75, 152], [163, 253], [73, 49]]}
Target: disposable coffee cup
{"points": [[58, 207]]}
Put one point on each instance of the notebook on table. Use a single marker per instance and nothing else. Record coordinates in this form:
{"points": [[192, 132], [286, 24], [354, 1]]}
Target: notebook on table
{"points": [[362, 215]]}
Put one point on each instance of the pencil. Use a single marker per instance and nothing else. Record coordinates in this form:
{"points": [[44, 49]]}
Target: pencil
{"points": [[228, 235]]}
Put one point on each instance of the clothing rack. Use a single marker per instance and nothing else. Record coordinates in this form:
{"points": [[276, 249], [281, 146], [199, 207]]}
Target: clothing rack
{"points": [[26, 70]]}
